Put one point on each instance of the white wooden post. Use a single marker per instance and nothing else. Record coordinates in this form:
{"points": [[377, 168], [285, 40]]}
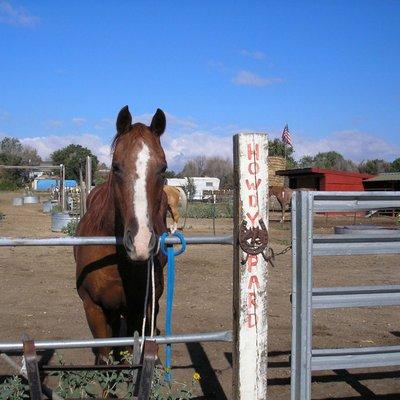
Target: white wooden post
{"points": [[88, 174], [250, 348], [62, 185]]}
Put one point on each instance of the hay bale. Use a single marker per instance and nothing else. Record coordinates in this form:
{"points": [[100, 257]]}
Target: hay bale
{"points": [[275, 164]]}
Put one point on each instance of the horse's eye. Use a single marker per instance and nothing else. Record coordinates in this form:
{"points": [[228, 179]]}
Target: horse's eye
{"points": [[163, 168], [116, 168]]}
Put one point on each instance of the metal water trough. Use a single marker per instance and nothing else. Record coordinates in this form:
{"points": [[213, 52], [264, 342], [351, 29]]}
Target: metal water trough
{"points": [[60, 220], [17, 201], [365, 229], [31, 199], [48, 206]]}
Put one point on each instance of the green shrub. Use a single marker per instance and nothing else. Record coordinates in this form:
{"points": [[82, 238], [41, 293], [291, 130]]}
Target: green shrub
{"points": [[56, 209], [70, 229], [95, 384], [163, 390], [8, 186], [206, 210], [14, 389], [89, 384]]}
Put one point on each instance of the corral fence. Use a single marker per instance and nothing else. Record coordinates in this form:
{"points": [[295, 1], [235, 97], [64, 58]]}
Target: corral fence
{"points": [[250, 267], [250, 243], [306, 298]]}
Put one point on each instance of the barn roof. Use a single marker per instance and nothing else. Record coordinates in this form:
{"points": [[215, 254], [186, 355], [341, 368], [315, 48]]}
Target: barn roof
{"points": [[321, 171], [387, 176]]}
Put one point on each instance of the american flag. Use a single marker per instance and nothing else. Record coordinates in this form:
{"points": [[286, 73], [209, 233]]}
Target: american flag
{"points": [[286, 138]]}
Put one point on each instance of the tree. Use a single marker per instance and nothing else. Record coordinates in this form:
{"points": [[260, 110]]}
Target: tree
{"points": [[217, 167], [73, 157], [373, 167], [395, 165], [12, 152], [169, 174], [221, 168], [190, 188], [11, 146], [328, 160], [277, 148], [306, 162], [194, 167], [30, 156]]}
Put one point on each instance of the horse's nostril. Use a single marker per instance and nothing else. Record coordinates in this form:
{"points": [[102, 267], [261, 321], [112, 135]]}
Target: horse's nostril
{"points": [[129, 240]]}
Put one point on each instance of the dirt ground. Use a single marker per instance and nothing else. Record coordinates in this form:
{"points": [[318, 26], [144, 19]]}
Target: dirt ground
{"points": [[38, 296]]}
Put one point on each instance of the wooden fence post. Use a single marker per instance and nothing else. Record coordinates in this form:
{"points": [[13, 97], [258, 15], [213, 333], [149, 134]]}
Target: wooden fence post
{"points": [[250, 270]]}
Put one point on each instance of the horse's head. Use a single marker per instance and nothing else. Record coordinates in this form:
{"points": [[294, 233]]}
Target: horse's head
{"points": [[137, 167]]}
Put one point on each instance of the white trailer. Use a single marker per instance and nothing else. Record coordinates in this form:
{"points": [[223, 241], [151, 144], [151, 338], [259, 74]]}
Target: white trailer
{"points": [[201, 183]]}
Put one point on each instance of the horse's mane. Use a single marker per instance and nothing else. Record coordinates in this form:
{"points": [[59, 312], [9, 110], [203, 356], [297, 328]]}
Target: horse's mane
{"points": [[99, 204]]}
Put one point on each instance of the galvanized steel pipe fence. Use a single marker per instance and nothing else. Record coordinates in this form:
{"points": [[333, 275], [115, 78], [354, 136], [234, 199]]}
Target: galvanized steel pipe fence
{"points": [[250, 283], [306, 298], [222, 336]]}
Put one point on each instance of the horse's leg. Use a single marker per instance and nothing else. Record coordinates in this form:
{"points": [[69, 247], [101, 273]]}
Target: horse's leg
{"points": [[98, 324], [282, 204], [173, 209]]}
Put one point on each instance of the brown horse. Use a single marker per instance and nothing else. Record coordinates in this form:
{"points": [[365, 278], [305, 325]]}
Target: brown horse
{"points": [[112, 280], [175, 196], [283, 195]]}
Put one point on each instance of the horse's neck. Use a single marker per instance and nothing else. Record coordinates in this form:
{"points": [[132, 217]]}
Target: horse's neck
{"points": [[102, 210]]}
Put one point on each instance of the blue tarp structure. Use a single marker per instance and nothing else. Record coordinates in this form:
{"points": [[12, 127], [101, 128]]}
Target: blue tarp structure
{"points": [[46, 184]]}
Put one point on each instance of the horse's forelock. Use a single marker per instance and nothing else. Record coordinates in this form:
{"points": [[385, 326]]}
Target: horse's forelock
{"points": [[135, 130]]}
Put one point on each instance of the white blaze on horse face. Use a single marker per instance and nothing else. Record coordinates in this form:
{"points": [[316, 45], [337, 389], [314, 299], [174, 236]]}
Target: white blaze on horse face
{"points": [[140, 203]]}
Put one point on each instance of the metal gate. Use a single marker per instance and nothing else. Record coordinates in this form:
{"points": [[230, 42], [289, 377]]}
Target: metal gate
{"points": [[305, 298]]}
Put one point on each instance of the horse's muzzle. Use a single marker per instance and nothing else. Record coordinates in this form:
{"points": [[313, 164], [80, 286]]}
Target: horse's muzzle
{"points": [[142, 246]]}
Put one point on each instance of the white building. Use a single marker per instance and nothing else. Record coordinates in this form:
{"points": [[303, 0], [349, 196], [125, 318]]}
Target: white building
{"points": [[200, 184]]}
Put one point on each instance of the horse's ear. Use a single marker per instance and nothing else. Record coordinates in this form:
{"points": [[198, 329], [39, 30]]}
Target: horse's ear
{"points": [[158, 122], [124, 120]]}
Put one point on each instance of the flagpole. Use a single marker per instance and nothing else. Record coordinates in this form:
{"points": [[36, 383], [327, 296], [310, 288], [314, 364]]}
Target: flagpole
{"points": [[284, 145]]}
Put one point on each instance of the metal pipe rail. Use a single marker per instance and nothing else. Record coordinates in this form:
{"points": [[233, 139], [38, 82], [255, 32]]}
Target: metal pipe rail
{"points": [[222, 336], [354, 201], [106, 240], [356, 296], [364, 357], [351, 244], [30, 167]]}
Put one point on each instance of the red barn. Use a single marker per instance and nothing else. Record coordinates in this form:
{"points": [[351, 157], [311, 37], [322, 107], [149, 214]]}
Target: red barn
{"points": [[324, 179]]}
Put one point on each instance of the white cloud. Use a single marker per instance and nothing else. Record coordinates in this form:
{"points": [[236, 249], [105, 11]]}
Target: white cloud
{"points": [[352, 144], [79, 121], [247, 78], [16, 16], [256, 55], [179, 149], [185, 138], [45, 145]]}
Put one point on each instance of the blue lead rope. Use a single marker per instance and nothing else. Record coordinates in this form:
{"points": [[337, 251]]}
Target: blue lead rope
{"points": [[168, 250]]}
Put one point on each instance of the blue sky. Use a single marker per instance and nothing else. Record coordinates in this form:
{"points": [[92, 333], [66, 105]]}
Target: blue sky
{"points": [[330, 69]]}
